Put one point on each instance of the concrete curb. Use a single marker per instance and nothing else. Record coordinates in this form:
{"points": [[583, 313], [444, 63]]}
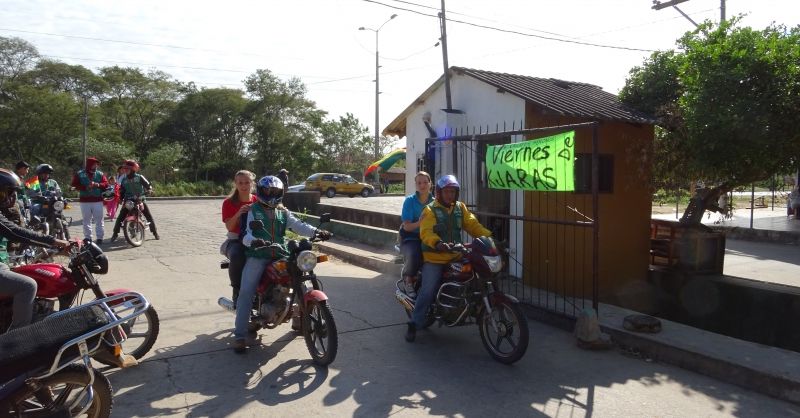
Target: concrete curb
{"points": [[373, 261], [760, 235]]}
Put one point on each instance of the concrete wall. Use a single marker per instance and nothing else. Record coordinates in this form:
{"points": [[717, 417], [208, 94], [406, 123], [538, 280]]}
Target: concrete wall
{"points": [[750, 310], [364, 234], [363, 217]]}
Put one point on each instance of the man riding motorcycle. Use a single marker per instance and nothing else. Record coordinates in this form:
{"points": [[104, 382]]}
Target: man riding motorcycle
{"points": [[132, 185], [17, 213], [22, 287], [275, 218], [43, 186], [442, 223]]}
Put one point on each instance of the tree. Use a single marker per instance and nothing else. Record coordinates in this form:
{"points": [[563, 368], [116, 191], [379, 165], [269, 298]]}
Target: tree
{"points": [[727, 102], [164, 159], [285, 124], [16, 57], [136, 103], [213, 130], [74, 79], [346, 146]]}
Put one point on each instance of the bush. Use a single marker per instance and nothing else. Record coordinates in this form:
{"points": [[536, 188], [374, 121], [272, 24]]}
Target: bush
{"points": [[185, 188]]}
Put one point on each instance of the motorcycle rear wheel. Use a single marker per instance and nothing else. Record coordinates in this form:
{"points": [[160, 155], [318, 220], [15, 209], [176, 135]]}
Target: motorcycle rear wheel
{"points": [[319, 331], [142, 333], [60, 390], [509, 342], [134, 232]]}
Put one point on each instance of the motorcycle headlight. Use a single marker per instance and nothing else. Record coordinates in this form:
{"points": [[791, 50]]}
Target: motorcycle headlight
{"points": [[129, 204], [58, 206], [495, 262], [306, 261]]}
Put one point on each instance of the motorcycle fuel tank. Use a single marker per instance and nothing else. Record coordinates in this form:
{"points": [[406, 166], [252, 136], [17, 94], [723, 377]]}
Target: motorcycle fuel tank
{"points": [[52, 280]]}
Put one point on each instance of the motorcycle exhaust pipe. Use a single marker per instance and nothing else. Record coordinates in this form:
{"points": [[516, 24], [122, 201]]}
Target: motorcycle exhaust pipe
{"points": [[404, 300], [226, 304]]}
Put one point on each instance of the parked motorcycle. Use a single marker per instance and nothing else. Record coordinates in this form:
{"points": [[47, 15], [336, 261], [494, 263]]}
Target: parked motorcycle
{"points": [[66, 285], [46, 368], [288, 285], [51, 219], [467, 292], [135, 222]]}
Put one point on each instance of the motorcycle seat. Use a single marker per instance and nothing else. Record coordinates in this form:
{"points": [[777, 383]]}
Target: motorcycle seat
{"points": [[35, 346]]}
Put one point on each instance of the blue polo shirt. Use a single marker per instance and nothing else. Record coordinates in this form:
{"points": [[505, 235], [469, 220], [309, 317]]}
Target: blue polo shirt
{"points": [[412, 210]]}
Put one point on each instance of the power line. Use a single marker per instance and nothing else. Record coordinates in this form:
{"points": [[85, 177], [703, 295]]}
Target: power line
{"points": [[515, 32]]}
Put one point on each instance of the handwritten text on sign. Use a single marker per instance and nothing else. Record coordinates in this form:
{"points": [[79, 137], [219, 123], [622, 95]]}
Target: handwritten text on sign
{"points": [[546, 164]]}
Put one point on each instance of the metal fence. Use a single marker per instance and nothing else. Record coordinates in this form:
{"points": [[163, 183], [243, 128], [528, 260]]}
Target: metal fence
{"points": [[551, 237]]}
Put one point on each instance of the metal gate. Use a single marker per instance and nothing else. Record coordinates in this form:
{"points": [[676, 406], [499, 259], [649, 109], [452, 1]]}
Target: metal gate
{"points": [[551, 238]]}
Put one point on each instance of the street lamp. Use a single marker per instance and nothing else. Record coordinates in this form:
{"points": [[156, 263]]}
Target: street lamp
{"points": [[377, 92]]}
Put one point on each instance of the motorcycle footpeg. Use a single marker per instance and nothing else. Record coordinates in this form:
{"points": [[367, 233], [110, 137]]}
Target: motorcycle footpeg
{"points": [[226, 304]]}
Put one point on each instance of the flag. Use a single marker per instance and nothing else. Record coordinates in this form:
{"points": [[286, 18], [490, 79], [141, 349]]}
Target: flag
{"points": [[387, 161], [32, 183]]}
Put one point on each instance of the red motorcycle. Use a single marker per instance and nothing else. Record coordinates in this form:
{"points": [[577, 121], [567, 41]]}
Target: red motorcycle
{"points": [[289, 288], [66, 286], [467, 293], [135, 222]]}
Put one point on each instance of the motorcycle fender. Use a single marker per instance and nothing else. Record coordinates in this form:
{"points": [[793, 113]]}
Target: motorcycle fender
{"points": [[130, 218], [315, 296], [498, 297], [114, 292]]}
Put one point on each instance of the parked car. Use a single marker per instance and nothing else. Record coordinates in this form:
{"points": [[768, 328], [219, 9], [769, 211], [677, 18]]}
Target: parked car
{"points": [[296, 188], [332, 184]]}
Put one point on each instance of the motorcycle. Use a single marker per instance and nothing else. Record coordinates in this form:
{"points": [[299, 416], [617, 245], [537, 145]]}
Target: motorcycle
{"points": [[135, 223], [46, 368], [56, 283], [51, 219], [289, 288], [467, 292]]}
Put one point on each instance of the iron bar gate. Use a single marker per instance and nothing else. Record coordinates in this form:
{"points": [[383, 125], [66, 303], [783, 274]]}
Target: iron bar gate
{"points": [[553, 252]]}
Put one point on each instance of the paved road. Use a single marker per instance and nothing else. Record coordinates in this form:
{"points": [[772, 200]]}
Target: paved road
{"points": [[193, 372]]}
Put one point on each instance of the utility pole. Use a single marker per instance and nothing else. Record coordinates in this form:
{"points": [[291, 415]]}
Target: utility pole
{"points": [[443, 29], [658, 5], [85, 127]]}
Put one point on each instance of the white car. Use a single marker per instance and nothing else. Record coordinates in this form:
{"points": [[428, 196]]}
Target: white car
{"points": [[296, 188]]}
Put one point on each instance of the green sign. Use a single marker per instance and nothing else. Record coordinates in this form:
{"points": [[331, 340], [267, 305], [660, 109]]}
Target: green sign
{"points": [[545, 164]]}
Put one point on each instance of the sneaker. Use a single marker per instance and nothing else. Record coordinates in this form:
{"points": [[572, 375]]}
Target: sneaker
{"points": [[252, 339], [114, 237], [411, 332], [98, 241], [239, 346]]}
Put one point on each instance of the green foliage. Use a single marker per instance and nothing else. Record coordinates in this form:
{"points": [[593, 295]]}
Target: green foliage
{"points": [[727, 103], [164, 159], [183, 188]]}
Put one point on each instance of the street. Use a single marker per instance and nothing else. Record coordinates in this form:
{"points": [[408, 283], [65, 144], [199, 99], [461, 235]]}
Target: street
{"points": [[192, 370]]}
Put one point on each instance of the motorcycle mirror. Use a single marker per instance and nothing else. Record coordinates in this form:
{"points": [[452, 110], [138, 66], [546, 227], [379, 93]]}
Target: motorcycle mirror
{"points": [[326, 217], [256, 225]]}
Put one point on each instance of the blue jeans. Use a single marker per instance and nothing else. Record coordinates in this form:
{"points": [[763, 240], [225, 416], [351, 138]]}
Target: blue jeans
{"points": [[412, 257], [24, 290], [431, 279], [251, 275], [235, 253]]}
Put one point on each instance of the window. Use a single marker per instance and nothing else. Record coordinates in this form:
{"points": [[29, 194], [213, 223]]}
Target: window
{"points": [[583, 173], [327, 177]]}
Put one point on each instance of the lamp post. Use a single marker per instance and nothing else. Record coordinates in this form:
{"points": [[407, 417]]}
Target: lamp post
{"points": [[377, 92]]}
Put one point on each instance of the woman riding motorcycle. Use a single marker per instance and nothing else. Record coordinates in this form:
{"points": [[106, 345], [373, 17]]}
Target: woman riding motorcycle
{"points": [[23, 288], [275, 218], [442, 223]]}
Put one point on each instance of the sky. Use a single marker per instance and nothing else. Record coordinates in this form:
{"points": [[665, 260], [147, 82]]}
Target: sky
{"points": [[220, 43]]}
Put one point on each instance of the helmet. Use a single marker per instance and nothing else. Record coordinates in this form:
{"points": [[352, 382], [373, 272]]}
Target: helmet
{"points": [[132, 164], [9, 184], [44, 169], [98, 263], [269, 190], [448, 180]]}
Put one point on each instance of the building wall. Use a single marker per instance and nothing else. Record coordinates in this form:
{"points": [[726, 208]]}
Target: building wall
{"points": [[559, 257], [483, 107]]}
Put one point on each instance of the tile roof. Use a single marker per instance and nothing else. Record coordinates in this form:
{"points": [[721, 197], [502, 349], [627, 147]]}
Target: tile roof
{"points": [[563, 97]]}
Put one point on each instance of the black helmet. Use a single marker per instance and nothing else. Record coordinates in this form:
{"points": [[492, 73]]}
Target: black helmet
{"points": [[44, 168], [99, 261], [9, 184]]}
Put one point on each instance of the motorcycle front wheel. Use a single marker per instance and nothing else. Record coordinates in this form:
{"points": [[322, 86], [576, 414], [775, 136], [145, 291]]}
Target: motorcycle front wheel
{"points": [[65, 230], [504, 332], [319, 331], [61, 390], [134, 232]]}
